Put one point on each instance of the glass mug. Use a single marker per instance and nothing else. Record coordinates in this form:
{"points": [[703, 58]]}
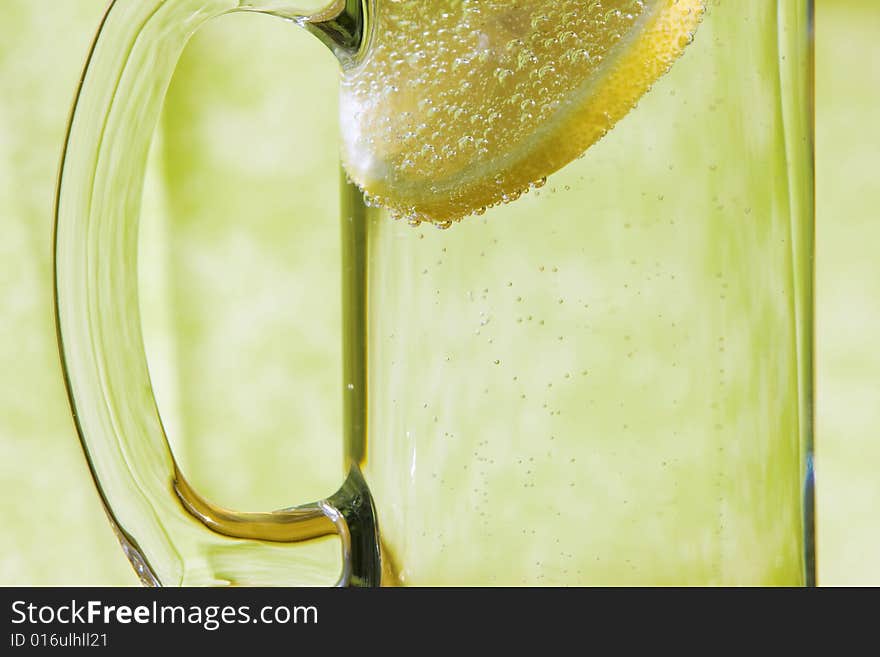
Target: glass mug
{"points": [[607, 381]]}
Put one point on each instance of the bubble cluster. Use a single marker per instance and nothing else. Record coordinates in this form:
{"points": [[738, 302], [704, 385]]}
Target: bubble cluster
{"points": [[460, 105]]}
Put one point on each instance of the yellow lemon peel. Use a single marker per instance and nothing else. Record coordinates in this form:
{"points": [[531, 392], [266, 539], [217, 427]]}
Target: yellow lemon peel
{"points": [[463, 104]]}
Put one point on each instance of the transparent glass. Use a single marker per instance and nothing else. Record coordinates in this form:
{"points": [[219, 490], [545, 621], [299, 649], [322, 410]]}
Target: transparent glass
{"points": [[608, 381], [171, 533]]}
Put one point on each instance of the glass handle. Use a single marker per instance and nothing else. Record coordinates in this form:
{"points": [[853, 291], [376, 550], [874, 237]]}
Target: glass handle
{"points": [[168, 531]]}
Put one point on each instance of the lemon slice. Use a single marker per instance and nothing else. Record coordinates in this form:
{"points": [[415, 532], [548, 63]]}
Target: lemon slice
{"points": [[463, 104]]}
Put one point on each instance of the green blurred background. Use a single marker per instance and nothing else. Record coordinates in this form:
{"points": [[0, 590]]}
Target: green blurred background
{"points": [[233, 226]]}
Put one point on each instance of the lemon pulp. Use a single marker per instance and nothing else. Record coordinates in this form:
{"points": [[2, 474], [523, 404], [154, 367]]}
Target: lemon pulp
{"points": [[459, 105]]}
